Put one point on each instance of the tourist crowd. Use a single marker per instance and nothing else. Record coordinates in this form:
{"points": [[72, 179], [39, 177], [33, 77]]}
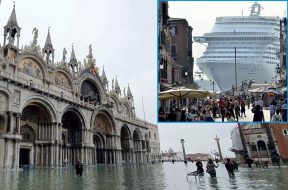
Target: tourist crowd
{"points": [[229, 109]]}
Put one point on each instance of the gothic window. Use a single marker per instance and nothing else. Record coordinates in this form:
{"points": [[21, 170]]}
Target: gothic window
{"points": [[285, 132], [89, 92]]}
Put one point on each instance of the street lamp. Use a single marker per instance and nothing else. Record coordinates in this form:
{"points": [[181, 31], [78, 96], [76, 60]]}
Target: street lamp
{"points": [[217, 139], [182, 141], [278, 71], [213, 82]]}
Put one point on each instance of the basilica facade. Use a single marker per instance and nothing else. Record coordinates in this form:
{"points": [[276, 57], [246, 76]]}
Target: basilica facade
{"points": [[60, 112]]}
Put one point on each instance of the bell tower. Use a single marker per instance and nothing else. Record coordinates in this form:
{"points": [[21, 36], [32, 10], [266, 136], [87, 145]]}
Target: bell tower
{"points": [[11, 33], [48, 50]]}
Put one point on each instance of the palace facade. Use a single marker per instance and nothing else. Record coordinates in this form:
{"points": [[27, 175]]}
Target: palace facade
{"points": [[60, 112]]}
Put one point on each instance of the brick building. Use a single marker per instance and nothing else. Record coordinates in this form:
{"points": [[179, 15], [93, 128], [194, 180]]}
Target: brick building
{"points": [[181, 47], [280, 133]]}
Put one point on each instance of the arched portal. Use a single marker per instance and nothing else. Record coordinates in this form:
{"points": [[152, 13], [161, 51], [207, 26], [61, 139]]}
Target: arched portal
{"points": [[35, 124], [98, 153], [72, 135], [103, 125], [90, 92], [137, 141], [125, 144]]}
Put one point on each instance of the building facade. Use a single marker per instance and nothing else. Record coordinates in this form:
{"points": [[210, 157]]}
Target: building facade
{"points": [[181, 47], [169, 70], [51, 113], [260, 142], [280, 134]]}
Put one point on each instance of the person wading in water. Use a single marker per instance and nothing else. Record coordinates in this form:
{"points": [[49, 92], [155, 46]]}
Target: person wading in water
{"points": [[79, 168]]}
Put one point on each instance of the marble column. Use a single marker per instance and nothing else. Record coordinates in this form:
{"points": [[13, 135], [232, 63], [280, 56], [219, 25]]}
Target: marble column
{"points": [[18, 117], [10, 115]]}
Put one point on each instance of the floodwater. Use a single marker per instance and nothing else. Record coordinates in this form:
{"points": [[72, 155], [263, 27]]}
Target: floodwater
{"points": [[147, 176]]}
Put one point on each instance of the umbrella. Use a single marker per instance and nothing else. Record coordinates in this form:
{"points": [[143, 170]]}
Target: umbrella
{"points": [[272, 90], [183, 92], [255, 90]]}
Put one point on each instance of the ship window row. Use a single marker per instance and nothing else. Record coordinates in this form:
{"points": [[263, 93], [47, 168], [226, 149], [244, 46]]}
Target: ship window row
{"points": [[267, 57], [254, 23], [270, 53], [229, 47], [232, 56], [273, 63], [239, 38], [255, 52]]}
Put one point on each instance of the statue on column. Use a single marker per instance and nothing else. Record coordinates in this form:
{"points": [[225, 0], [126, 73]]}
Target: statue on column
{"points": [[64, 54], [35, 33]]}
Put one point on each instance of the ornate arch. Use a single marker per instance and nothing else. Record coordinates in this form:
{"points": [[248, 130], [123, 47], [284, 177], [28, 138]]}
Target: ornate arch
{"points": [[99, 139], [63, 78], [128, 107], [125, 127], [5, 100], [115, 99], [45, 103], [77, 112], [107, 112], [136, 134], [32, 63], [96, 81]]}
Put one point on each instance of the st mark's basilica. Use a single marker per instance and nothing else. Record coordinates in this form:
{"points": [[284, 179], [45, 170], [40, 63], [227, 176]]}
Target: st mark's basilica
{"points": [[58, 112]]}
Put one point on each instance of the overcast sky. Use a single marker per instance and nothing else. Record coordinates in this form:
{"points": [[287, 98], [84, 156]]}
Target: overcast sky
{"points": [[122, 34], [202, 15]]}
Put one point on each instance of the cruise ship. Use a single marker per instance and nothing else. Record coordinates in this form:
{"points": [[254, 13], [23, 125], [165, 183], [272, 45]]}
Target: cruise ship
{"points": [[241, 48]]}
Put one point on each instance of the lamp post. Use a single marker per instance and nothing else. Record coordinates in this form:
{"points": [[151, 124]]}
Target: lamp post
{"points": [[217, 139], [213, 83], [182, 141], [278, 71]]}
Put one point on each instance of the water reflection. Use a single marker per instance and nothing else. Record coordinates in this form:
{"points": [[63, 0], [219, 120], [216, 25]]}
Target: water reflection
{"points": [[166, 176]]}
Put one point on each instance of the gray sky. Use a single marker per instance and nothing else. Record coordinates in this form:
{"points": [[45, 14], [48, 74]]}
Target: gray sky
{"points": [[122, 34], [202, 15], [199, 137]]}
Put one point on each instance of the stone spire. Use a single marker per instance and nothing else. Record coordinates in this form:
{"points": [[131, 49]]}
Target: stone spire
{"points": [[117, 87], [91, 61], [48, 49], [103, 76], [11, 29], [73, 60], [129, 94]]}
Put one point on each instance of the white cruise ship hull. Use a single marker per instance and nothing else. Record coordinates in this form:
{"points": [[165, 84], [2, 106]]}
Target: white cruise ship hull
{"points": [[224, 72]]}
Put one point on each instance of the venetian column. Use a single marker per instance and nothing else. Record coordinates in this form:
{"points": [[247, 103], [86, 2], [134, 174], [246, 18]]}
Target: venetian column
{"points": [[217, 139]]}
